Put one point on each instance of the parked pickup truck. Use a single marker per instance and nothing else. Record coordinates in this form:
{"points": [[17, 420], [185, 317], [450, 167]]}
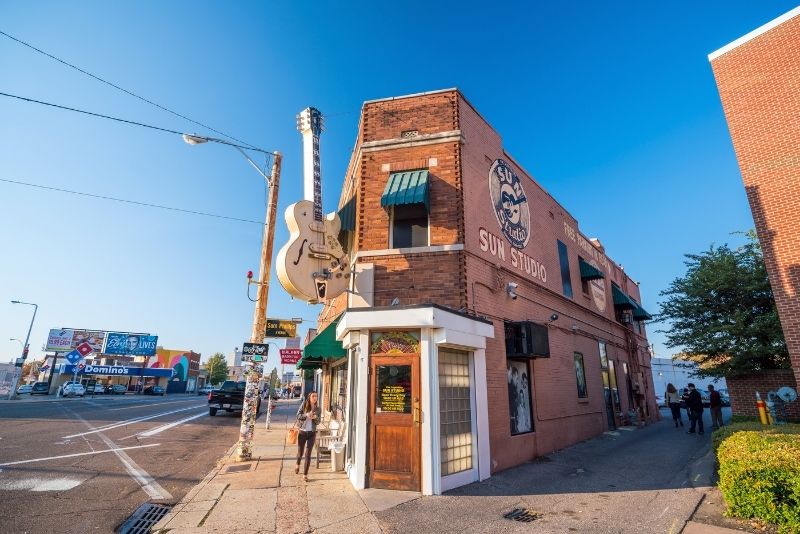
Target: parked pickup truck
{"points": [[229, 397]]}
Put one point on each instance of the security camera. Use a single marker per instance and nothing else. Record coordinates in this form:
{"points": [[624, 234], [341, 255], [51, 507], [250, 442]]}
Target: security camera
{"points": [[554, 317]]}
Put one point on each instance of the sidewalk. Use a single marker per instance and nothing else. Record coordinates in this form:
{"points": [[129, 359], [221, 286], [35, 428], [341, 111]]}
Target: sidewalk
{"points": [[266, 496]]}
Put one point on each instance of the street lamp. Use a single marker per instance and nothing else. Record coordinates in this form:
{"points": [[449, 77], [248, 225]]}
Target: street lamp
{"points": [[18, 341], [250, 404], [18, 368]]}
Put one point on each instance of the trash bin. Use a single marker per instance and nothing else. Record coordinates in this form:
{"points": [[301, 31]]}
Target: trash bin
{"points": [[337, 456]]}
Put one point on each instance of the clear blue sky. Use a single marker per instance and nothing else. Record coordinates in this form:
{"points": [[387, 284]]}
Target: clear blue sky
{"points": [[611, 106]]}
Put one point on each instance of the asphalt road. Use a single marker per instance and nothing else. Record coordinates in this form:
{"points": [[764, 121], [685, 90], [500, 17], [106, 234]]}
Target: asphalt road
{"points": [[56, 474]]}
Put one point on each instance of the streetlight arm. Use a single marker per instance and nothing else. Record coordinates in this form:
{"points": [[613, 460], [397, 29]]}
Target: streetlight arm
{"points": [[253, 163]]}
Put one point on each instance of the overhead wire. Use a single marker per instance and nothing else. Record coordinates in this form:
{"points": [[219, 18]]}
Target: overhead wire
{"points": [[129, 201], [117, 119], [126, 91]]}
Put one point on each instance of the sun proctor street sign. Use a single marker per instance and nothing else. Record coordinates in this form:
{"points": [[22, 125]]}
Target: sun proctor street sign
{"points": [[281, 328], [290, 356], [256, 352]]}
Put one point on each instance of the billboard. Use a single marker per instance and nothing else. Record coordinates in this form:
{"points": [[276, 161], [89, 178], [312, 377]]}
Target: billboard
{"points": [[127, 344], [59, 339], [94, 338]]}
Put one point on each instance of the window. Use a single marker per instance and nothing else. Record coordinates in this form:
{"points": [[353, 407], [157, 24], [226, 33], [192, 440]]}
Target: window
{"points": [[519, 397], [580, 375], [338, 392], [409, 226], [455, 411], [584, 281], [566, 282]]}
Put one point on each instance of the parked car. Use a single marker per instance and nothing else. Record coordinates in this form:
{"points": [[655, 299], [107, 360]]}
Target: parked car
{"points": [[154, 390], [660, 400], [40, 388], [723, 394], [71, 389], [706, 398], [24, 388], [229, 397], [205, 390], [65, 384], [99, 388], [115, 389]]}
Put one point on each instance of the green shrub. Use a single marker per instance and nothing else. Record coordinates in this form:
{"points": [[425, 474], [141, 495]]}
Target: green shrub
{"points": [[759, 472]]}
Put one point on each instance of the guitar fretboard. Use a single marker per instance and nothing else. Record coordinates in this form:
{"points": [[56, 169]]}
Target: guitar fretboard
{"points": [[317, 180]]}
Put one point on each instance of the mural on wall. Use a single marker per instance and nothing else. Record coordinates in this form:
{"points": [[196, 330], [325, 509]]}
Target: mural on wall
{"points": [[174, 359], [510, 204], [394, 343]]}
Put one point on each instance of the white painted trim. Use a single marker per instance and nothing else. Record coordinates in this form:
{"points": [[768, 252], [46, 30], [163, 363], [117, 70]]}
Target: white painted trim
{"points": [[449, 136], [423, 317], [411, 250], [755, 33], [482, 414], [358, 472], [389, 99], [429, 396]]}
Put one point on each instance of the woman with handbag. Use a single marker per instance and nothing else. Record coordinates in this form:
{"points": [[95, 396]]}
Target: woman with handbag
{"points": [[673, 400], [308, 415]]}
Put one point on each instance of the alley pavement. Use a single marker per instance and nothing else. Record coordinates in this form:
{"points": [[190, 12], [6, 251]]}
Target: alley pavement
{"points": [[626, 481]]}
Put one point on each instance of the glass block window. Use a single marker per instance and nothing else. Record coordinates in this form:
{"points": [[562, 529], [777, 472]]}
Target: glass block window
{"points": [[455, 411]]}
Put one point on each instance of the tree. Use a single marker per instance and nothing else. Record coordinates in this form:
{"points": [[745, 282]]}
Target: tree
{"points": [[722, 312], [274, 381], [217, 368]]}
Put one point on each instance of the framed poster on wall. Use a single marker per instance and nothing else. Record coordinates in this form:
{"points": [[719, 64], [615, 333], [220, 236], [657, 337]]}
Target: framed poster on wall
{"points": [[519, 397], [580, 375]]}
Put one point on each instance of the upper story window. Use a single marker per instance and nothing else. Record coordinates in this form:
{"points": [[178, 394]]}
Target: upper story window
{"points": [[563, 258], [409, 226], [584, 281]]}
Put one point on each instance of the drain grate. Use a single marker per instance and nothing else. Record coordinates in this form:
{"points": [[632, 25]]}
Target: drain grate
{"points": [[143, 518], [240, 467], [523, 515]]}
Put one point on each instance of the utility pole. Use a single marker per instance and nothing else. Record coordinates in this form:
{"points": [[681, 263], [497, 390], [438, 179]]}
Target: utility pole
{"points": [[251, 394]]}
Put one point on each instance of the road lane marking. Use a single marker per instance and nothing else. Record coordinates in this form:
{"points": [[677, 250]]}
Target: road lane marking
{"points": [[76, 454], [150, 404], [127, 422], [148, 483], [42, 484], [162, 428]]}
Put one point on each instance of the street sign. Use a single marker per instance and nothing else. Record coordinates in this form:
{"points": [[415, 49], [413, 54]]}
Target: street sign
{"points": [[291, 356], [281, 328], [255, 352]]}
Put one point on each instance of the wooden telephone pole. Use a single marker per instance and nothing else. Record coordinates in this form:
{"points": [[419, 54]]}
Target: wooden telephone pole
{"points": [[251, 395]]}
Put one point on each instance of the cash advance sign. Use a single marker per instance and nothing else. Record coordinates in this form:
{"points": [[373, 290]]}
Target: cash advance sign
{"points": [[511, 208]]}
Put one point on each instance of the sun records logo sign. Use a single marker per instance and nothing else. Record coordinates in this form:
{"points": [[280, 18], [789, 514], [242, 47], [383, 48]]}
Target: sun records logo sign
{"points": [[510, 204]]}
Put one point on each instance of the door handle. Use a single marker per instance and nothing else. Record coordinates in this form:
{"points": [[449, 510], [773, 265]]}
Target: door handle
{"points": [[417, 413]]}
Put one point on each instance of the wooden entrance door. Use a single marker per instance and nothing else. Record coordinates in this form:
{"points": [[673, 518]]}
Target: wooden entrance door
{"points": [[394, 422]]}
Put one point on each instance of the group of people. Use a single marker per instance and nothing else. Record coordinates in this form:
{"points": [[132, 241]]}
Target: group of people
{"points": [[693, 402]]}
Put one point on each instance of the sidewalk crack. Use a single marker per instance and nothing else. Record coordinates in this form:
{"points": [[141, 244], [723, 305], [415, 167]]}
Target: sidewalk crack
{"points": [[214, 505]]}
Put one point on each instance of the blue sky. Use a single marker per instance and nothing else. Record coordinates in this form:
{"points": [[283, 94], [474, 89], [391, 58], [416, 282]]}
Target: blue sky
{"points": [[611, 106]]}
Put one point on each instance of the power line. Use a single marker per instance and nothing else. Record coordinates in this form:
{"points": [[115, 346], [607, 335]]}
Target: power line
{"points": [[128, 201], [109, 117], [123, 89]]}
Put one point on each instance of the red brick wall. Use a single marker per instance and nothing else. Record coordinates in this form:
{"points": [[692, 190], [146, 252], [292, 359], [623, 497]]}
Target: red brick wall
{"points": [[742, 391], [758, 83]]}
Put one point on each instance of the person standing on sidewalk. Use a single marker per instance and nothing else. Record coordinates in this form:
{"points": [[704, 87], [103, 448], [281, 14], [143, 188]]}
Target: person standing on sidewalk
{"points": [[308, 415], [673, 400], [695, 405], [715, 406]]}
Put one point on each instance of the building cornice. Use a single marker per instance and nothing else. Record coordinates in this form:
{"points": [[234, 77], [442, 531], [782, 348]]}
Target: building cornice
{"points": [[755, 33]]}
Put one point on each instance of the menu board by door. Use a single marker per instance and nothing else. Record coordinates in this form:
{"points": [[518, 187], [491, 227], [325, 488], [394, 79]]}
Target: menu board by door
{"points": [[393, 389]]}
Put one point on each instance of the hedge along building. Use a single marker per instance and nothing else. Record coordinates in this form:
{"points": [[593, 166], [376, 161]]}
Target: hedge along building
{"points": [[483, 328]]}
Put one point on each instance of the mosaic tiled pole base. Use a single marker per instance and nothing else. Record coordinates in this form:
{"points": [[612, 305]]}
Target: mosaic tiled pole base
{"points": [[249, 409]]}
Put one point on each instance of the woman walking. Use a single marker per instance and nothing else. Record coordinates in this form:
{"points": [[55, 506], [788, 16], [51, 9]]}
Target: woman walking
{"points": [[673, 400], [308, 415]]}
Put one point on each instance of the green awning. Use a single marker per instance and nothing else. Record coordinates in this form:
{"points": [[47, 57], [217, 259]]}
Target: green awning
{"points": [[406, 188], [324, 346], [347, 215], [589, 272], [311, 363], [639, 314], [621, 300]]}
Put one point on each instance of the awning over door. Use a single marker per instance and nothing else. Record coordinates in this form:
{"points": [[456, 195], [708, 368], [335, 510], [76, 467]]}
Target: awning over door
{"points": [[406, 188], [323, 347]]}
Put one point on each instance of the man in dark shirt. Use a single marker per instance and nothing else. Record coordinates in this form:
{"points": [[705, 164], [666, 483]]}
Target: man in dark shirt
{"points": [[695, 405], [715, 406]]}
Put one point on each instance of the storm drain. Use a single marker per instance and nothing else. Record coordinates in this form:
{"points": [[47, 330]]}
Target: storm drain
{"points": [[523, 515], [144, 518]]}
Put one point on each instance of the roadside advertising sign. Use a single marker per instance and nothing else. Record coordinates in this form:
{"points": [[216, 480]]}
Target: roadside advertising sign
{"points": [[281, 328], [293, 343], [84, 349], [126, 343], [59, 339], [255, 352], [291, 356], [93, 337], [73, 356]]}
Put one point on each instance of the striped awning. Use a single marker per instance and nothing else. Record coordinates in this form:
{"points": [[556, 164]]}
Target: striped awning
{"points": [[639, 314], [347, 215], [323, 347], [406, 188], [589, 272]]}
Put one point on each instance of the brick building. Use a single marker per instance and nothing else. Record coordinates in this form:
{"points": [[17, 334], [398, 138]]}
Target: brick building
{"points": [[483, 328], [758, 77]]}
